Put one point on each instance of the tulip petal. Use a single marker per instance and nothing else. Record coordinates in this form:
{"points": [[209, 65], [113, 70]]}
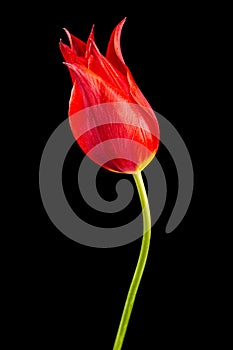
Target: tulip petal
{"points": [[71, 57], [116, 141], [103, 68], [76, 45], [76, 102], [75, 53], [135, 92], [69, 54], [90, 40], [94, 90], [114, 54]]}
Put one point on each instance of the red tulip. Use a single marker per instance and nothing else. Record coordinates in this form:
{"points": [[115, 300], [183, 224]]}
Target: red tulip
{"points": [[110, 118]]}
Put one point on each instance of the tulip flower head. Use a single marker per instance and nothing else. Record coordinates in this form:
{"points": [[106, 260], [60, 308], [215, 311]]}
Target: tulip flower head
{"points": [[110, 118]]}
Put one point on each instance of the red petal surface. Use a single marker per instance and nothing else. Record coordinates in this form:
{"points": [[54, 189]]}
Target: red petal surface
{"points": [[136, 92], [76, 45], [71, 57], [90, 40], [114, 54], [76, 98], [116, 123], [93, 90], [69, 54], [102, 67], [126, 142]]}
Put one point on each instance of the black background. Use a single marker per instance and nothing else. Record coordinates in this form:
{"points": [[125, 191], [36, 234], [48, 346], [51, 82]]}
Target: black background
{"points": [[75, 294]]}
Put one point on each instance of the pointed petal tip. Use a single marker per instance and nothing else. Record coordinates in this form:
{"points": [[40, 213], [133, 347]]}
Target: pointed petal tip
{"points": [[68, 35], [122, 22], [67, 32], [67, 64], [91, 35], [63, 47], [71, 66]]}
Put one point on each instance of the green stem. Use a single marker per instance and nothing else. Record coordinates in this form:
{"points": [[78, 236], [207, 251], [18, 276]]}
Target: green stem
{"points": [[140, 265]]}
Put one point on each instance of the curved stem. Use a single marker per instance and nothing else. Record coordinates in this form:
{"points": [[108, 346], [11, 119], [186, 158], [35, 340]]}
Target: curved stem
{"points": [[140, 265]]}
